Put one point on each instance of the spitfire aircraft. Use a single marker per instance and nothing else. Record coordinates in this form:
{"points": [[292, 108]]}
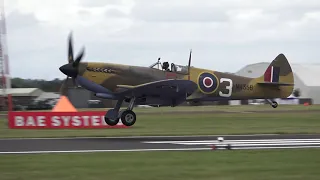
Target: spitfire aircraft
{"points": [[172, 84]]}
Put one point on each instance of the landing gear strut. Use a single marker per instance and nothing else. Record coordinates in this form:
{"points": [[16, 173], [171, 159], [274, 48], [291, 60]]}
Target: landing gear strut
{"points": [[128, 117], [274, 104]]}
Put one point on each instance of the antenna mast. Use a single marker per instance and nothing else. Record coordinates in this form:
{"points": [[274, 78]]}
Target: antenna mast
{"points": [[4, 62]]}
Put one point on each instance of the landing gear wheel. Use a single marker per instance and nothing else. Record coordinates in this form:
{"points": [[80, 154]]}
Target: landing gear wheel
{"points": [[111, 117], [111, 122], [128, 118], [274, 104]]}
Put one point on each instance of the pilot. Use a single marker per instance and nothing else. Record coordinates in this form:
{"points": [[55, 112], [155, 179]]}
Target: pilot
{"points": [[165, 66]]}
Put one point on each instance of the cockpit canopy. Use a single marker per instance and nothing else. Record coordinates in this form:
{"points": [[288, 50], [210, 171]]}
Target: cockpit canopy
{"points": [[180, 69]]}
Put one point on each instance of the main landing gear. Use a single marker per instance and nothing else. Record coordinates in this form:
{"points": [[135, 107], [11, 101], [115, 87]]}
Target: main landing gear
{"points": [[128, 117], [274, 104]]}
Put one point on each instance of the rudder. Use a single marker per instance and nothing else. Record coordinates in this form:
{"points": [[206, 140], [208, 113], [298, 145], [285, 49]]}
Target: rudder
{"points": [[279, 67], [279, 74], [272, 74]]}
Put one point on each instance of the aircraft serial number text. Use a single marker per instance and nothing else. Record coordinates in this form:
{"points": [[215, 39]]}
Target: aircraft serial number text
{"points": [[244, 87]]}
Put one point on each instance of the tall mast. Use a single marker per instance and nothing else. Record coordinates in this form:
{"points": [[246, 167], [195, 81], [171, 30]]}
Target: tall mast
{"points": [[4, 59]]}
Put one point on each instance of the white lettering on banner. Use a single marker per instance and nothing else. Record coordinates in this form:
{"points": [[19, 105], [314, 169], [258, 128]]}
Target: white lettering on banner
{"points": [[76, 121], [41, 121], [59, 121], [66, 120], [95, 121], [85, 120], [55, 121], [30, 121], [19, 121]]}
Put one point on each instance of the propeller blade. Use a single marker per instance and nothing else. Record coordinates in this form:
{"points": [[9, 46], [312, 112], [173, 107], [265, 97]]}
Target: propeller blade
{"points": [[63, 88], [74, 82], [70, 51], [79, 57]]}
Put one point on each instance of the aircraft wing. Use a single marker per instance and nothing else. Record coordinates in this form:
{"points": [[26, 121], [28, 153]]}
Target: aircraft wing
{"points": [[163, 88]]}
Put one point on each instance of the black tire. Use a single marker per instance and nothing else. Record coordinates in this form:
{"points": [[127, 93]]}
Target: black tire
{"points": [[274, 104], [128, 118], [111, 122]]}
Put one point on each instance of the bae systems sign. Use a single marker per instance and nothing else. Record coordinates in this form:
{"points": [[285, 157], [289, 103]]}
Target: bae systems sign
{"points": [[59, 120]]}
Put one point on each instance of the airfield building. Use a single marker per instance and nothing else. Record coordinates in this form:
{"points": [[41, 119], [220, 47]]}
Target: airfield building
{"points": [[305, 78]]}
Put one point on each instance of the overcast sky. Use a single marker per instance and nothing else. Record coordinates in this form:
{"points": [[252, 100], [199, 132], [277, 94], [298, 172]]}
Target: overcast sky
{"points": [[225, 35]]}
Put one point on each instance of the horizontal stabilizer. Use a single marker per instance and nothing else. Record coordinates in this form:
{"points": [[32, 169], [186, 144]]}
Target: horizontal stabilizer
{"points": [[275, 84]]}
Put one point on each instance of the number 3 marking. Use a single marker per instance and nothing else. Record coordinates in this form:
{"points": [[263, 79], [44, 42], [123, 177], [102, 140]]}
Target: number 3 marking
{"points": [[229, 87]]}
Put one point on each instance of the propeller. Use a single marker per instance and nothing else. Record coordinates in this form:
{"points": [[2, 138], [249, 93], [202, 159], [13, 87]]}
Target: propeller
{"points": [[72, 68], [75, 63]]}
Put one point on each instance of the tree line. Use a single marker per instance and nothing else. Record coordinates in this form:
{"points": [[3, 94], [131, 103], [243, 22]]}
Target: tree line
{"points": [[47, 86]]}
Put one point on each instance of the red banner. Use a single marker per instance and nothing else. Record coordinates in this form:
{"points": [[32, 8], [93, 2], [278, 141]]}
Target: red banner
{"points": [[59, 120]]}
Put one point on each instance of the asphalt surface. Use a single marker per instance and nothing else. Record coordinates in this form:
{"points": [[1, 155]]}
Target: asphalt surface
{"points": [[51, 145]]}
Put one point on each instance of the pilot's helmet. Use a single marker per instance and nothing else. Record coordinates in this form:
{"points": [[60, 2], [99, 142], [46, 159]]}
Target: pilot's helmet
{"points": [[165, 65]]}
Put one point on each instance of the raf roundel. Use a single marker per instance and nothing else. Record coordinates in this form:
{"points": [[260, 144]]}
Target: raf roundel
{"points": [[208, 83]]}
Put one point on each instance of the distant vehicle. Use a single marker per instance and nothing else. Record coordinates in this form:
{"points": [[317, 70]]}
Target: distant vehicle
{"points": [[165, 86]]}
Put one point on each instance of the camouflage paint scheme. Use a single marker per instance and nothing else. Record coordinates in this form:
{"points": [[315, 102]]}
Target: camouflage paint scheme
{"points": [[164, 87], [122, 80]]}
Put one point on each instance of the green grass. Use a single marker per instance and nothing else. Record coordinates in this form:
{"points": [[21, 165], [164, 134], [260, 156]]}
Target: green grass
{"points": [[201, 165], [196, 124]]}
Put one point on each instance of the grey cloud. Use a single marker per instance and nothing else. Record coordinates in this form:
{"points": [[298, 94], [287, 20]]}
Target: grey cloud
{"points": [[84, 14], [205, 55], [291, 14], [115, 13], [17, 20], [235, 43], [99, 3], [164, 13], [175, 10]]}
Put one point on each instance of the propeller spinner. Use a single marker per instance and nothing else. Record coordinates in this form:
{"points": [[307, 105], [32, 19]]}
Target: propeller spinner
{"points": [[71, 69]]}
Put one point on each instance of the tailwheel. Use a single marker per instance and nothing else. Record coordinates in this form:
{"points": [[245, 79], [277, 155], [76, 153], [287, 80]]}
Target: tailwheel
{"points": [[274, 104], [128, 117]]}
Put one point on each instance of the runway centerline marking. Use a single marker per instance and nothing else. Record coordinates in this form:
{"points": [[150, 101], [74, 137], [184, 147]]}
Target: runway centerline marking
{"points": [[257, 141]]}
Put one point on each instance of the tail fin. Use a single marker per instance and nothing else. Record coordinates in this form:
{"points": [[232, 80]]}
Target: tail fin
{"points": [[278, 73]]}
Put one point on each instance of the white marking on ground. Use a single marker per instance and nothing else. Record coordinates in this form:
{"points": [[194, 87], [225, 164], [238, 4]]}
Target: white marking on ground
{"points": [[255, 141], [248, 142], [268, 144], [277, 147]]}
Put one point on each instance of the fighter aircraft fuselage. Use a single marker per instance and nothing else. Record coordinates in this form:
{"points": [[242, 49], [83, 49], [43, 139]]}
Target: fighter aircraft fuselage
{"points": [[172, 84]]}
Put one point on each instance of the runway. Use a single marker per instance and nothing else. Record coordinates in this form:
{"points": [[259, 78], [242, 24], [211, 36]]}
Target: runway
{"points": [[156, 143]]}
